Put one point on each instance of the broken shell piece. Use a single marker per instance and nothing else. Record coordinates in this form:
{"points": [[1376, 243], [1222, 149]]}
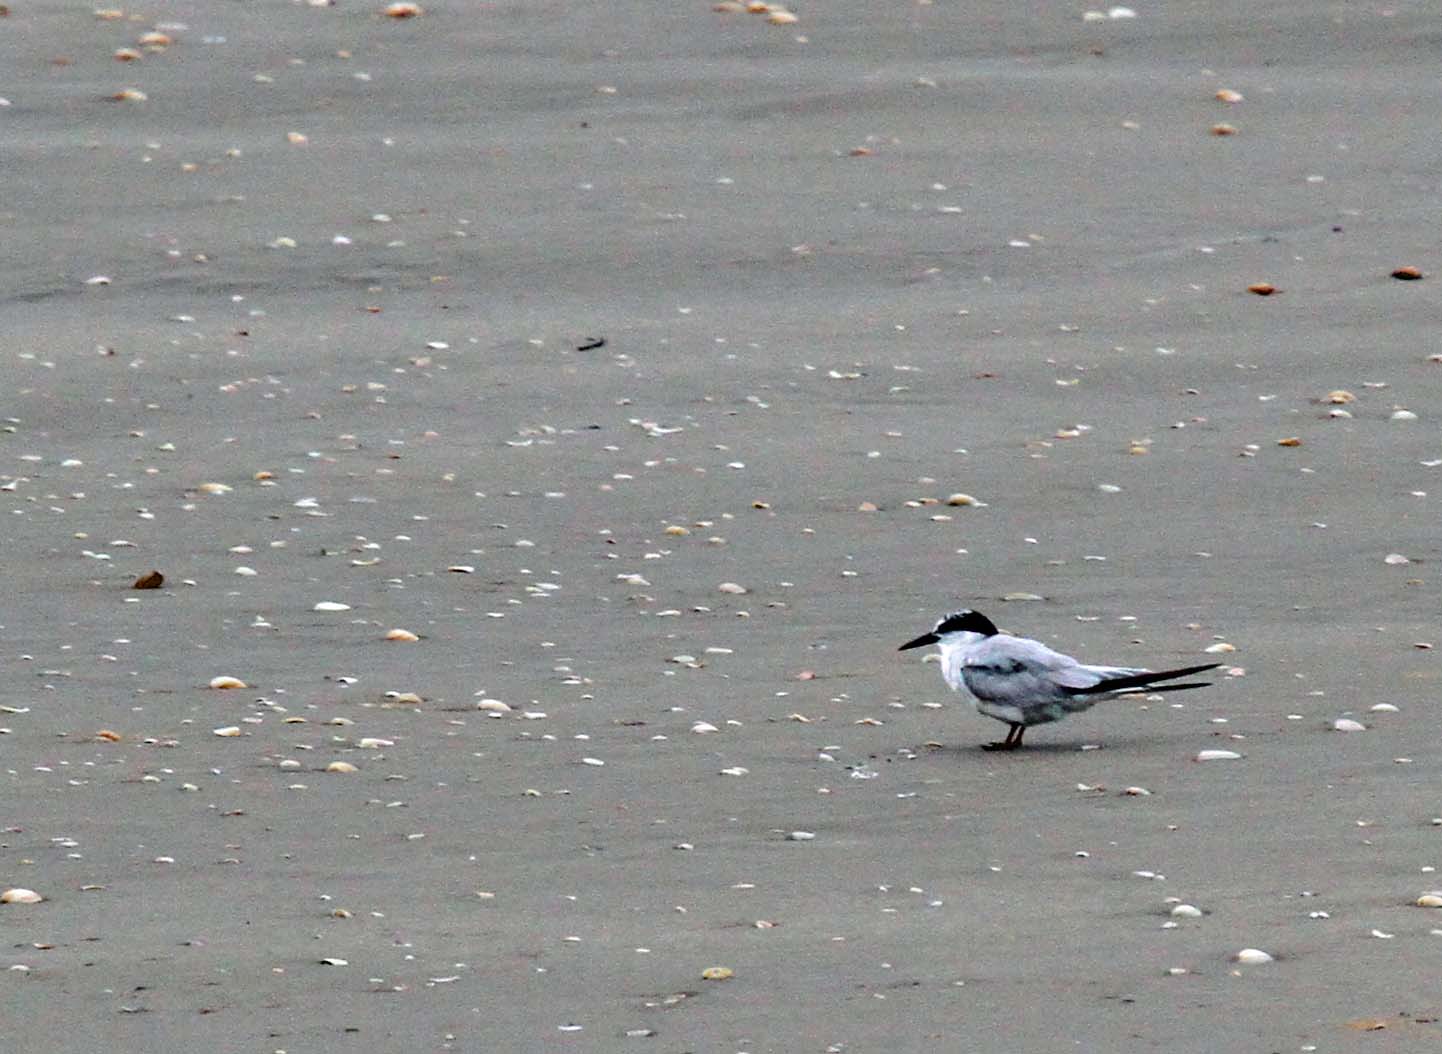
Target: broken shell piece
{"points": [[19, 895], [1220, 648], [1252, 957], [1217, 755], [733, 588], [227, 682], [331, 605], [1346, 724], [228, 732], [108, 736], [375, 743], [402, 634], [149, 580], [341, 766]]}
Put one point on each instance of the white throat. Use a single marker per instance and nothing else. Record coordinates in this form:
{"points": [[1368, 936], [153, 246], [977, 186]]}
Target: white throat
{"points": [[954, 648]]}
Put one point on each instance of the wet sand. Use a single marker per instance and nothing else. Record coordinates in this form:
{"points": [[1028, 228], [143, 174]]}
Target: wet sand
{"points": [[887, 254]]}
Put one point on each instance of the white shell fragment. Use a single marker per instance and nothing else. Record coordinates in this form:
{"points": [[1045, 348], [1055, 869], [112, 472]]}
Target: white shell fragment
{"points": [[331, 605], [732, 587], [801, 836], [227, 732], [1252, 957], [224, 682], [1217, 755], [1430, 900], [341, 766], [1346, 724], [1187, 911], [20, 895], [402, 634]]}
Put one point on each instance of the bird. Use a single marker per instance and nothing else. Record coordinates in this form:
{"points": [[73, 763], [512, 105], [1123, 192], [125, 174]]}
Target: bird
{"points": [[1021, 682]]}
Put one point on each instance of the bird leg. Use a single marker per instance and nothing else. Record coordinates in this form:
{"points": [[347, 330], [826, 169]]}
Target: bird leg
{"points": [[1012, 740]]}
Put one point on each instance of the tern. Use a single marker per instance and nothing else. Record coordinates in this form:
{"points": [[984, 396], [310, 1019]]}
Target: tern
{"points": [[1022, 682]]}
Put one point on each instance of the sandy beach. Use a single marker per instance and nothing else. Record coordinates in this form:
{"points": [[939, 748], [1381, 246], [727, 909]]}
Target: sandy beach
{"points": [[624, 358]]}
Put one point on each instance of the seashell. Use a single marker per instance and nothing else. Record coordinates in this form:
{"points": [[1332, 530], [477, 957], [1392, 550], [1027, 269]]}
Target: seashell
{"points": [[410, 698], [732, 588], [402, 634], [1383, 708], [494, 706], [126, 55], [703, 726], [1346, 724], [596, 762], [1289, 441], [403, 10], [289, 763], [461, 569], [1252, 957], [19, 895], [1341, 397], [334, 962], [1021, 596], [1395, 559], [1228, 95], [1217, 755], [782, 18], [1187, 911], [1430, 900], [1403, 415], [962, 499], [215, 488], [1262, 288], [129, 95], [227, 682], [1220, 648], [677, 531], [717, 973], [1137, 792], [341, 766], [331, 605], [108, 736], [1223, 129], [375, 743], [155, 39], [1407, 274], [228, 732], [801, 836], [149, 580]]}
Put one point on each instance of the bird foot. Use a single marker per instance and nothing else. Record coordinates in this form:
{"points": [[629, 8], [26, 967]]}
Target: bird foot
{"points": [[1001, 744]]}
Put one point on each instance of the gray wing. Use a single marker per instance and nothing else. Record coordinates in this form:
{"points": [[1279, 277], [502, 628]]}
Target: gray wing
{"points": [[1017, 671]]}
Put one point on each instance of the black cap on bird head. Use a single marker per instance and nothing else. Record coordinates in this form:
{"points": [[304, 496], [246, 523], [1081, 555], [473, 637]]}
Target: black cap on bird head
{"points": [[963, 621]]}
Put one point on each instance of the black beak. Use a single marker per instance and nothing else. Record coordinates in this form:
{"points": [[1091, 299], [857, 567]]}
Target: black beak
{"points": [[920, 642]]}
